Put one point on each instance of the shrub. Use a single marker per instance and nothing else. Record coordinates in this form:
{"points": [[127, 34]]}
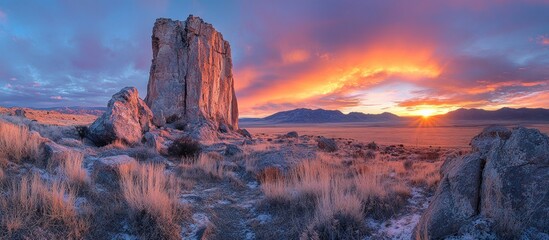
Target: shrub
{"points": [[184, 147], [370, 154], [152, 197], [82, 131], [431, 155], [327, 144], [408, 164], [32, 206], [372, 146], [17, 143]]}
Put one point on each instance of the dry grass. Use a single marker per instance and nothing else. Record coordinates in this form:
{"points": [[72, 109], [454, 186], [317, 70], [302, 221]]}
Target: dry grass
{"points": [[425, 174], [342, 196], [2, 175], [152, 195], [32, 204], [116, 144], [17, 143], [206, 163], [210, 164], [72, 171], [338, 215]]}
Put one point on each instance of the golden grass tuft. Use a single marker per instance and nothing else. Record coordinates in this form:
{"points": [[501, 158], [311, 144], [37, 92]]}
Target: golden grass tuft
{"points": [[426, 174], [18, 143], [342, 196], [152, 196], [46, 206], [338, 215], [2, 175], [72, 170], [205, 163]]}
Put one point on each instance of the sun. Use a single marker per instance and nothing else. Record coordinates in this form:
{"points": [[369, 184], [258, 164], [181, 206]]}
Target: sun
{"points": [[426, 112]]}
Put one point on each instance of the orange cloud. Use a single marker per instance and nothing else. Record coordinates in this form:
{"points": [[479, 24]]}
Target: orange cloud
{"points": [[295, 56], [544, 40], [343, 73]]}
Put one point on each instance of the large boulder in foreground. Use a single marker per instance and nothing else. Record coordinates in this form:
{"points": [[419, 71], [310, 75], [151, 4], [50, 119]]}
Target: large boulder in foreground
{"points": [[191, 79], [503, 181], [126, 119]]}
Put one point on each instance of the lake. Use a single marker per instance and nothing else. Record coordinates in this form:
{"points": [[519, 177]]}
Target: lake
{"points": [[456, 134]]}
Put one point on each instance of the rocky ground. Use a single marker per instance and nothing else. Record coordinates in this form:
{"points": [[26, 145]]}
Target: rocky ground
{"points": [[227, 199]]}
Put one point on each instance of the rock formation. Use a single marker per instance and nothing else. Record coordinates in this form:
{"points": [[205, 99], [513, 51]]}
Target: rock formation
{"points": [[126, 119], [191, 79], [501, 187]]}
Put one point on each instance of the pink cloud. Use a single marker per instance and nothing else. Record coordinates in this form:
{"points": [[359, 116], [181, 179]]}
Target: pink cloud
{"points": [[544, 40], [56, 97], [3, 15]]}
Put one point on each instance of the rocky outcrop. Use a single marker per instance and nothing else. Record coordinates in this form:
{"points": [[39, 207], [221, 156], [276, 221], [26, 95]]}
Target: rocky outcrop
{"points": [[502, 181], [126, 119], [327, 144], [191, 79]]}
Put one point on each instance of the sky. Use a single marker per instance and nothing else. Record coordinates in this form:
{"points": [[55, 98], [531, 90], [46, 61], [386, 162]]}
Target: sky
{"points": [[405, 57]]}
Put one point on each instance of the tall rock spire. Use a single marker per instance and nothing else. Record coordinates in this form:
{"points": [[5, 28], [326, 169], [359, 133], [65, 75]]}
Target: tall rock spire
{"points": [[191, 78]]}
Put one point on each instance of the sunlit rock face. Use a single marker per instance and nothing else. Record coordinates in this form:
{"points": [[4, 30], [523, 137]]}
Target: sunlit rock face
{"points": [[191, 79], [500, 188], [126, 119]]}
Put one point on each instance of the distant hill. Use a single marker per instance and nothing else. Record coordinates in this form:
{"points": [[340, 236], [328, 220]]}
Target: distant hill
{"points": [[77, 110], [305, 115], [527, 114]]}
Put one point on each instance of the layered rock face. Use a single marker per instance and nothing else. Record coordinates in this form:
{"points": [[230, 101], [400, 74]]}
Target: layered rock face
{"points": [[191, 79], [126, 119], [499, 188]]}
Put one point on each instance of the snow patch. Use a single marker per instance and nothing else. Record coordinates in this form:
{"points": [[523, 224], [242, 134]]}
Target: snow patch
{"points": [[252, 185], [201, 221]]}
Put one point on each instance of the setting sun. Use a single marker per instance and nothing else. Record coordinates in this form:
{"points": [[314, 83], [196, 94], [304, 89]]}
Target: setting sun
{"points": [[427, 112]]}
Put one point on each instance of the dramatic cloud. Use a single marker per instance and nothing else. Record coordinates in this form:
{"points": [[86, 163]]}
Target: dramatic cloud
{"points": [[440, 55], [370, 56]]}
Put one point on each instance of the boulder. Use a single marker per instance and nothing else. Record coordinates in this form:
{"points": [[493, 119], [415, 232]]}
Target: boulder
{"points": [[327, 144], [502, 181], [191, 79], [455, 201], [515, 181], [484, 141], [292, 134], [156, 142], [106, 170], [126, 119], [53, 153]]}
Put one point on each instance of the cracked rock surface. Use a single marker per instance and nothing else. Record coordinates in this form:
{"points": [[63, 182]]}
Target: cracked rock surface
{"points": [[503, 180], [191, 79], [126, 119]]}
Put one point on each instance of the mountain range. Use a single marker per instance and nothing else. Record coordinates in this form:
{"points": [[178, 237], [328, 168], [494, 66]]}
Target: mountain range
{"points": [[305, 115], [77, 110]]}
